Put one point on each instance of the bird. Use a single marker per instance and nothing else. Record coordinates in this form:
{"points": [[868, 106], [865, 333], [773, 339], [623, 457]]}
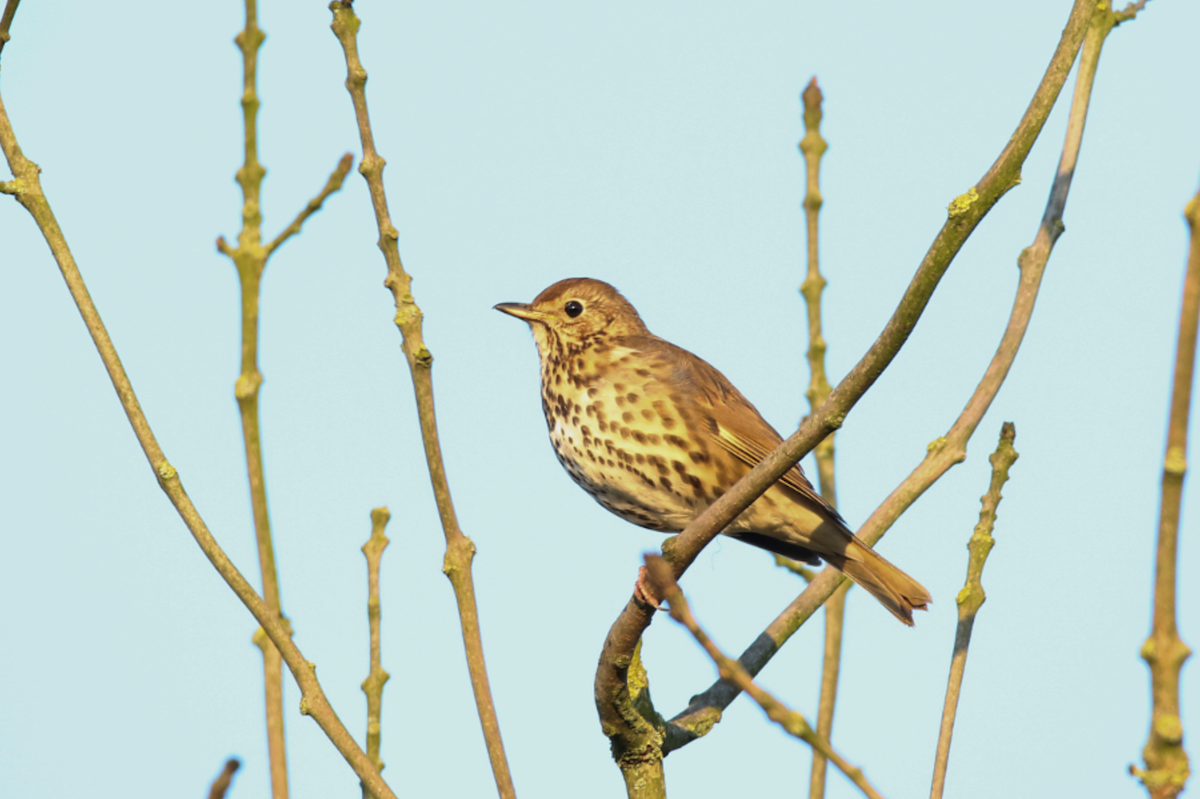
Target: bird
{"points": [[655, 435]]}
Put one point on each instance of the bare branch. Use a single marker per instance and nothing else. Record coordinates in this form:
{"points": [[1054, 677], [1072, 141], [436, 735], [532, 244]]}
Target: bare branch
{"points": [[220, 785], [1167, 767], [963, 215], [336, 179], [376, 678], [813, 147], [10, 10], [972, 597], [459, 549], [790, 720], [313, 700]]}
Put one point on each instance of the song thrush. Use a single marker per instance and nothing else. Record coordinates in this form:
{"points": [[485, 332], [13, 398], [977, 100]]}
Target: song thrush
{"points": [[656, 434]]}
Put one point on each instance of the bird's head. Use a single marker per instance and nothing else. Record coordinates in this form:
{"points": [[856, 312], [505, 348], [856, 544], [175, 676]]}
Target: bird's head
{"points": [[575, 313]]}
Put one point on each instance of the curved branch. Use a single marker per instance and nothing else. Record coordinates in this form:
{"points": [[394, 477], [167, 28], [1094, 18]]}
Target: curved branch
{"points": [[950, 449], [964, 214]]}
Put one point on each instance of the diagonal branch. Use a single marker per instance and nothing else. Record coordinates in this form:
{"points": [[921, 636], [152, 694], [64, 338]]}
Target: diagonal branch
{"points": [[790, 720], [950, 449], [220, 786], [10, 10], [334, 183], [946, 451], [963, 215], [313, 700], [459, 549]]}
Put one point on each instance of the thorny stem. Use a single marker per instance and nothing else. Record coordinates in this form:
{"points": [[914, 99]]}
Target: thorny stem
{"points": [[376, 678], [790, 720], [963, 215], [1167, 767], [813, 147], [459, 549], [972, 597], [250, 259], [313, 702]]}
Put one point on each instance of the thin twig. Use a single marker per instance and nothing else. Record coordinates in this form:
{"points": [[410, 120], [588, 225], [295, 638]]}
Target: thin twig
{"points": [[10, 10], [813, 147], [964, 214], [972, 597], [376, 677], [950, 449], [797, 568], [459, 549], [221, 784], [1167, 768], [250, 259], [336, 178], [313, 701], [790, 720]]}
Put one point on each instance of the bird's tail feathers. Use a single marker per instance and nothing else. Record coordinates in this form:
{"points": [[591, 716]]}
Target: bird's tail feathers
{"points": [[894, 589]]}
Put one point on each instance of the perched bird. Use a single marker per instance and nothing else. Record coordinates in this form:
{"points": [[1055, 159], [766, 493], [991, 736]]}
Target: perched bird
{"points": [[656, 435]]}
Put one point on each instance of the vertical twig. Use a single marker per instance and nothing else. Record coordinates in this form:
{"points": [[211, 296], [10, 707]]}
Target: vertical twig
{"points": [[1167, 767], [376, 677], [793, 722], [26, 187], [971, 598], [220, 786], [250, 259], [813, 146], [459, 549]]}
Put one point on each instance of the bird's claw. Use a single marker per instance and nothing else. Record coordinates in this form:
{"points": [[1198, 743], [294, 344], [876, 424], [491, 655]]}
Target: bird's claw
{"points": [[643, 593]]}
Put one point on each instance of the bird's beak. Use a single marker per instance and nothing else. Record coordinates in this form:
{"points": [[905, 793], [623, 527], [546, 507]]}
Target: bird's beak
{"points": [[521, 311]]}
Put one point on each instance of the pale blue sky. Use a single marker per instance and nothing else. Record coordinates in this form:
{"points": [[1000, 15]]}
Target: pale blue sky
{"points": [[652, 146]]}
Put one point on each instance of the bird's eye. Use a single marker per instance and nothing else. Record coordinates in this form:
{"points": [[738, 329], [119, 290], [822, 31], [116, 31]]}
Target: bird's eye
{"points": [[573, 308]]}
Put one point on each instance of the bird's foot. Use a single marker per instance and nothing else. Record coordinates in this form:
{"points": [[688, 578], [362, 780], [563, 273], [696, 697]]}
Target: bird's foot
{"points": [[643, 592]]}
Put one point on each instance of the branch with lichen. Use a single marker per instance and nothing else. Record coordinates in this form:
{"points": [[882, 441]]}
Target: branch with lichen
{"points": [[813, 147], [376, 677], [964, 214], [313, 701], [1167, 767], [971, 598], [459, 549], [793, 722], [949, 450], [250, 259]]}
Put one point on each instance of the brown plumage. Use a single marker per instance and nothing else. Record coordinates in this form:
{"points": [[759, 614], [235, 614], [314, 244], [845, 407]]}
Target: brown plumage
{"points": [[656, 434]]}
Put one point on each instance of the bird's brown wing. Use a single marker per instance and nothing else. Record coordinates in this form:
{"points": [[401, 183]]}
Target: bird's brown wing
{"points": [[739, 428]]}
